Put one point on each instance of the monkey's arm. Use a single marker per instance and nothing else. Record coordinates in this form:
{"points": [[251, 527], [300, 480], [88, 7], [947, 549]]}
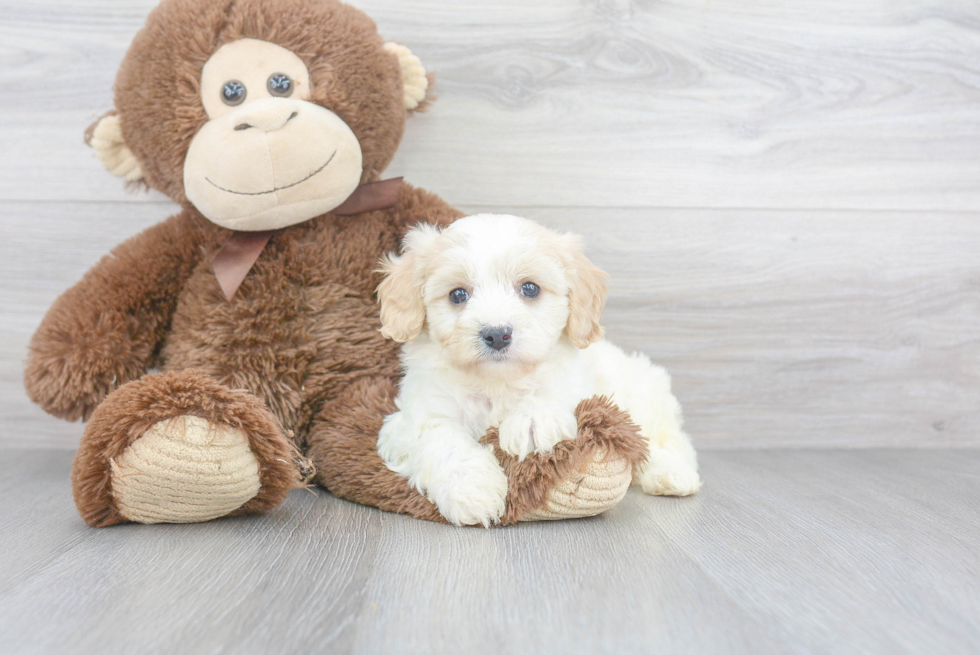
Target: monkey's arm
{"points": [[108, 328]]}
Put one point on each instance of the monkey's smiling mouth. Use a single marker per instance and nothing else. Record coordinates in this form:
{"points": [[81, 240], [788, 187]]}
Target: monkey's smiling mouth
{"points": [[278, 188]]}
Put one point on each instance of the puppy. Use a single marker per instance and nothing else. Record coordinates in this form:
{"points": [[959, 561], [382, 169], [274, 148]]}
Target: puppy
{"points": [[500, 321]]}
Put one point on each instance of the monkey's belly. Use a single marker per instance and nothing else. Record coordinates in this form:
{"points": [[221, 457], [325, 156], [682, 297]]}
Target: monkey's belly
{"points": [[295, 347]]}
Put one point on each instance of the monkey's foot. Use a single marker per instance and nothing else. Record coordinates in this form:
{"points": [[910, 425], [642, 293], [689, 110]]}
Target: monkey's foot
{"points": [[582, 477], [598, 485], [149, 454], [183, 470]]}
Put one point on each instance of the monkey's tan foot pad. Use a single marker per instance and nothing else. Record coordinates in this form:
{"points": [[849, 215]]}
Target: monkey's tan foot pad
{"points": [[598, 486], [181, 448], [582, 477], [184, 470]]}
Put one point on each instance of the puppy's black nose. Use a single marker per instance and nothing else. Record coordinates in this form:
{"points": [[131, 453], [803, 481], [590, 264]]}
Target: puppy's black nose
{"points": [[497, 337]]}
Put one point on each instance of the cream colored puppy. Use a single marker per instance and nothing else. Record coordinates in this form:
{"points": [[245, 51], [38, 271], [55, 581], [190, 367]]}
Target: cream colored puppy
{"points": [[500, 320]]}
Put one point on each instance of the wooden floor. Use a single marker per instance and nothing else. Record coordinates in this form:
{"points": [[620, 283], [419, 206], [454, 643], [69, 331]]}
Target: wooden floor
{"points": [[783, 551]]}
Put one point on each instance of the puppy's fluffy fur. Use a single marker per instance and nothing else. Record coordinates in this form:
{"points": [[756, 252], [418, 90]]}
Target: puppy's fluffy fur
{"points": [[457, 384]]}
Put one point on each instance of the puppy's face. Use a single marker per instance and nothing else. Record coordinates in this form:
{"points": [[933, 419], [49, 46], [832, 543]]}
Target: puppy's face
{"points": [[495, 292]]}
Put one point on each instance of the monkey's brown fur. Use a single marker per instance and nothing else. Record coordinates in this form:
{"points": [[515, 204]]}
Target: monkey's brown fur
{"points": [[297, 353]]}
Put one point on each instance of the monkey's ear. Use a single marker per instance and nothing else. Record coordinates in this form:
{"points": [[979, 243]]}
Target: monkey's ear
{"points": [[414, 79], [105, 135]]}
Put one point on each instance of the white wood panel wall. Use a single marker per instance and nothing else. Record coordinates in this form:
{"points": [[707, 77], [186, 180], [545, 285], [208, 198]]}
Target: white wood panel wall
{"points": [[786, 194]]}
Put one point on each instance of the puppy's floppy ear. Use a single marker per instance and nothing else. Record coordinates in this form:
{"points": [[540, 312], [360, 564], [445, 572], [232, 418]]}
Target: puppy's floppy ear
{"points": [[400, 292], [586, 294]]}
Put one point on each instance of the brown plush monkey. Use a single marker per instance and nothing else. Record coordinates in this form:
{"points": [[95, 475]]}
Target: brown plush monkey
{"points": [[267, 121]]}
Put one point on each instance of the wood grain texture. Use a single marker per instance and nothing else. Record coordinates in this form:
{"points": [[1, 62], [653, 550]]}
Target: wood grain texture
{"points": [[782, 552], [781, 328], [682, 103]]}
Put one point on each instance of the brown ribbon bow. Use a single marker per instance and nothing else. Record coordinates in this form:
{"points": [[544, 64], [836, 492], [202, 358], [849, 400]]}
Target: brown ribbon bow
{"points": [[239, 253]]}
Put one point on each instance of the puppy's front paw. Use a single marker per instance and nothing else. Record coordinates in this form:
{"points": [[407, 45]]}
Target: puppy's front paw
{"points": [[525, 433], [667, 473], [474, 493]]}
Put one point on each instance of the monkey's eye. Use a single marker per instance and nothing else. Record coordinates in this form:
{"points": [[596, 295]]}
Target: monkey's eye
{"points": [[458, 296], [280, 85], [530, 290], [233, 93]]}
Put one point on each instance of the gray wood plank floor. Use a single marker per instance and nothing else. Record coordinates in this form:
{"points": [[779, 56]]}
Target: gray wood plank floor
{"points": [[782, 552]]}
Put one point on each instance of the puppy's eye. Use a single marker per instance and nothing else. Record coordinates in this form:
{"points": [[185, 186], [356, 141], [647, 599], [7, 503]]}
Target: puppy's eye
{"points": [[458, 296], [530, 290]]}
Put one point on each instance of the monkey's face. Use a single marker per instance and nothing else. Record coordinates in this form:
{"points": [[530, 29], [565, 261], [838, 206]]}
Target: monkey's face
{"points": [[268, 157], [260, 113]]}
